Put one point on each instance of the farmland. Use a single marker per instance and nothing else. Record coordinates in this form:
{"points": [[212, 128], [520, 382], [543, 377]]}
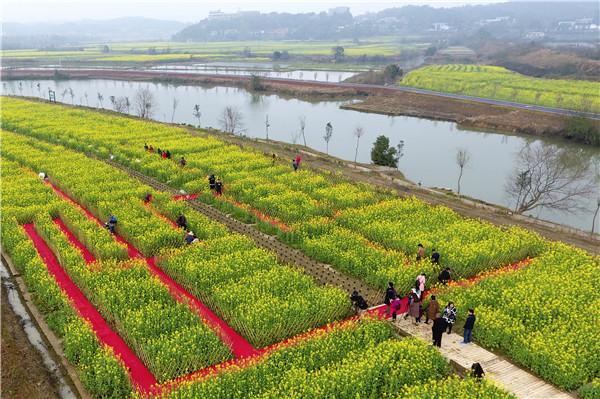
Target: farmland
{"points": [[502, 84], [222, 317]]}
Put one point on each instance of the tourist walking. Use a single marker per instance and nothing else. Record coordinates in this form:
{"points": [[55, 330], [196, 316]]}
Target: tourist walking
{"points": [[435, 257], [449, 316], [168, 154], [420, 252], [111, 224], [182, 162], [294, 165], [420, 284], [298, 160], [146, 147], [395, 305], [390, 293], [414, 306], [219, 186], [437, 330], [273, 159], [182, 221], [147, 198], [444, 276], [468, 327], [432, 308], [211, 182], [190, 237]]}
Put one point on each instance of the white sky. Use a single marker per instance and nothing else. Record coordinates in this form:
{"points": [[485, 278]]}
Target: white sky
{"points": [[184, 10]]}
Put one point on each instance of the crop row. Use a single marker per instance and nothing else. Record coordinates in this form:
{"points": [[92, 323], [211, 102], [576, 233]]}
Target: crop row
{"points": [[502, 84], [298, 200], [263, 300]]}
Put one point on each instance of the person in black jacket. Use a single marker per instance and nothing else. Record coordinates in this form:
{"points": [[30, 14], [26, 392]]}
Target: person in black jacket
{"points": [[444, 276], [469, 324], [358, 302], [182, 221], [435, 257], [211, 182], [437, 330], [477, 371], [390, 293]]}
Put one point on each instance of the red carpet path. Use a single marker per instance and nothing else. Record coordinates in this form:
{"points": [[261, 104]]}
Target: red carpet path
{"points": [[139, 374], [87, 255], [238, 345]]}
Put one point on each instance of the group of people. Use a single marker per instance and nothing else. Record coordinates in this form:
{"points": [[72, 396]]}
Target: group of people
{"points": [[215, 184], [190, 237], [166, 154], [445, 274]]}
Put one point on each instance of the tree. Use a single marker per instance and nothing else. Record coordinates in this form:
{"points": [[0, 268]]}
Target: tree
{"points": [[72, 95], [327, 137], [358, 133], [384, 155], [120, 104], [267, 125], [549, 177], [595, 215], [197, 113], [231, 120], [127, 104], [255, 83], [175, 103], [105, 49], [391, 73], [100, 98], [144, 103], [431, 50], [86, 99], [276, 55], [302, 121], [338, 53], [462, 158], [583, 129]]}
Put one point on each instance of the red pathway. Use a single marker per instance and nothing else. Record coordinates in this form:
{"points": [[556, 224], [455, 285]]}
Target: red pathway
{"points": [[238, 345], [139, 374], [87, 255]]}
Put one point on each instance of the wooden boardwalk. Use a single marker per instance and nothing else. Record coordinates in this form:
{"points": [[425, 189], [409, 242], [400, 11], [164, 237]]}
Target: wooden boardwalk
{"points": [[503, 373]]}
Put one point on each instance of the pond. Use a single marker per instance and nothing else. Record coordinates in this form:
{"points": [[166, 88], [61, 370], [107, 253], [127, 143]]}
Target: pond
{"points": [[429, 146]]}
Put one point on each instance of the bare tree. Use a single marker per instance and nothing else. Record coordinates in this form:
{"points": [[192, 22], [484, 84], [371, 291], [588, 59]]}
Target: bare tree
{"points": [[100, 98], [197, 113], [595, 215], [302, 120], [21, 88], [328, 134], [549, 177], [231, 120], [267, 126], [358, 133], [39, 88], [175, 104], [63, 94], [127, 104], [144, 103], [86, 99], [462, 158], [72, 94], [120, 104], [113, 100]]}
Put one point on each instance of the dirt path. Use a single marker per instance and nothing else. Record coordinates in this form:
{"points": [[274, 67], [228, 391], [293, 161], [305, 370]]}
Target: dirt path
{"points": [[23, 372], [322, 273]]}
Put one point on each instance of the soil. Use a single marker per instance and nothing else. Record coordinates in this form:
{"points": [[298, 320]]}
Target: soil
{"points": [[380, 100], [23, 372]]}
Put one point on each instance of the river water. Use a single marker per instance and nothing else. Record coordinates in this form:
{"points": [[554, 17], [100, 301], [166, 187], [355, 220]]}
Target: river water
{"points": [[429, 146]]}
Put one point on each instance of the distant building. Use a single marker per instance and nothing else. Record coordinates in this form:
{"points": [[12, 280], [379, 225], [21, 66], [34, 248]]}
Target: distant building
{"points": [[535, 35], [440, 27], [338, 10], [496, 20], [218, 15], [582, 24]]}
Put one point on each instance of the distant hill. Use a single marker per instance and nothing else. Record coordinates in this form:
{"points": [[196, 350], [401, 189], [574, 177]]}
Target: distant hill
{"points": [[40, 34]]}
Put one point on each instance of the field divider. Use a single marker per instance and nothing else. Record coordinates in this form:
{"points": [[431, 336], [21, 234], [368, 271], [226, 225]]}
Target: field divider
{"points": [[139, 375], [239, 346], [88, 257]]}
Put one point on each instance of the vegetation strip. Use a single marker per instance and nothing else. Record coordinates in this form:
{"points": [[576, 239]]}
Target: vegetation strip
{"points": [[139, 374]]}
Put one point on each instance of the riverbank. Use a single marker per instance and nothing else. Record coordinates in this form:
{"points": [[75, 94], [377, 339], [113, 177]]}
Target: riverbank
{"points": [[382, 100]]}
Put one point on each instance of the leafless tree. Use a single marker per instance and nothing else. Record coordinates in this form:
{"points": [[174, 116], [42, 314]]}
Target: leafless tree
{"points": [[72, 94], [63, 94], [328, 134], [549, 177], [144, 103], [462, 159], [302, 120], [120, 104], [197, 113], [86, 99], [21, 88], [358, 133], [175, 104], [231, 120], [127, 104], [267, 126], [100, 98]]}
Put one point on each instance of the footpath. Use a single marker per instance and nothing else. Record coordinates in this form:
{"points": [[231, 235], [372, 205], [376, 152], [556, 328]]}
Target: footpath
{"points": [[522, 384]]}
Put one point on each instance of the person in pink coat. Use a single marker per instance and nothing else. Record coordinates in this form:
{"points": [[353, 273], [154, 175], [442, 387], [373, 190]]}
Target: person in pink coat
{"points": [[395, 305]]}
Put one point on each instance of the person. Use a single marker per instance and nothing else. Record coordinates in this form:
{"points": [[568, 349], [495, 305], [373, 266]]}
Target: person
{"points": [[468, 327], [298, 159], [168, 154], [294, 165], [437, 330], [211, 182], [444, 276], [219, 186], [111, 224], [414, 306], [190, 237], [358, 302], [182, 162], [477, 371], [150, 148], [435, 257], [158, 151], [420, 283], [148, 198], [146, 147], [43, 176], [273, 159], [390, 293], [449, 316], [164, 155], [182, 221], [432, 308], [395, 305], [420, 252]]}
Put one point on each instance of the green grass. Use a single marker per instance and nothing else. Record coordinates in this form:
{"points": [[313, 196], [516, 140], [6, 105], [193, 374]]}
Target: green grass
{"points": [[502, 84]]}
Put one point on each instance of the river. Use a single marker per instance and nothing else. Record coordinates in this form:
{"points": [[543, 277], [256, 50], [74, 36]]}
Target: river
{"points": [[429, 146]]}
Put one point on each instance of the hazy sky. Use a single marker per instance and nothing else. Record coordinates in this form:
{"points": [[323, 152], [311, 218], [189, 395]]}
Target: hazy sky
{"points": [[183, 10]]}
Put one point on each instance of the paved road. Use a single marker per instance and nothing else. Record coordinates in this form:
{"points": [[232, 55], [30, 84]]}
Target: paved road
{"points": [[136, 73]]}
